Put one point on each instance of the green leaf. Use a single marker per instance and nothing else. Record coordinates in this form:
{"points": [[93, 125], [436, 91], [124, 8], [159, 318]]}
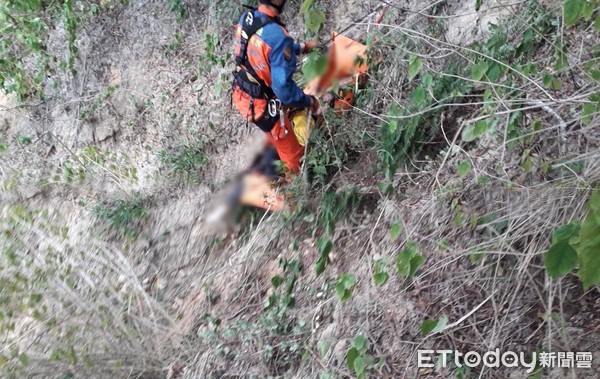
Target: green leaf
{"points": [[478, 71], [526, 44], [433, 326], [381, 278], [3, 361], [359, 365], [325, 247], [276, 281], [306, 5], [597, 23], [414, 67], [35, 4], [345, 286], [587, 11], [360, 343], [269, 302], [478, 4], [348, 280], [473, 131], [529, 69], [527, 160], [572, 9], [589, 251], [320, 266], [289, 301], [589, 109], [415, 264], [494, 72], [464, 168], [560, 259], [427, 80], [351, 356], [324, 347], [380, 274], [341, 292], [566, 232], [392, 126], [396, 229], [314, 19], [551, 82], [403, 265], [419, 97], [409, 261], [476, 257], [441, 324]]}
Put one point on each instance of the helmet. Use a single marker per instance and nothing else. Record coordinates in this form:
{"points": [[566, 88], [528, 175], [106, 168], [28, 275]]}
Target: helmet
{"points": [[275, 4]]}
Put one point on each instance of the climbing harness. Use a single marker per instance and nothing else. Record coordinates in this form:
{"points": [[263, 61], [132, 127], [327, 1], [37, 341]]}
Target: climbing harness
{"points": [[245, 76]]}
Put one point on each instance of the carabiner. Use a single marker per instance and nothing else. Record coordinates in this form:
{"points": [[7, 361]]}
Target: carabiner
{"points": [[274, 107]]}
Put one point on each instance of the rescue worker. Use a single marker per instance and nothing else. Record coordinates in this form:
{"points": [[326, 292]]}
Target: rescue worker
{"points": [[263, 87]]}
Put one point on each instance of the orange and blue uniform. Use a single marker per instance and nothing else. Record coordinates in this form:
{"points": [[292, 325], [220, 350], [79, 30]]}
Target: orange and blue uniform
{"points": [[264, 81]]}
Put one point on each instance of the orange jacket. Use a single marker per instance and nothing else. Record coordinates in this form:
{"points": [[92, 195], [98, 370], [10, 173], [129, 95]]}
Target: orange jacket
{"points": [[272, 54]]}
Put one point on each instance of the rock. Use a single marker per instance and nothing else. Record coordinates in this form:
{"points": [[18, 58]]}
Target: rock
{"points": [[104, 130], [28, 192], [469, 25]]}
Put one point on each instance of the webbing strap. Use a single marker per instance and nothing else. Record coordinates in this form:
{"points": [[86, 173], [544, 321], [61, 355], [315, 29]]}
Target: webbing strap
{"points": [[251, 25]]}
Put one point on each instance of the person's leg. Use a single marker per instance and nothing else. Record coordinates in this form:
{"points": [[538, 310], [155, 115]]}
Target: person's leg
{"points": [[289, 150]]}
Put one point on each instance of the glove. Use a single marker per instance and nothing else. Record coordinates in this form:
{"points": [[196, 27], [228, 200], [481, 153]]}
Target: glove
{"points": [[279, 131], [315, 106], [307, 47]]}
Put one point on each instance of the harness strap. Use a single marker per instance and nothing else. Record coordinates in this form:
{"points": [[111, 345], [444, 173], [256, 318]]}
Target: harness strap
{"points": [[245, 76]]}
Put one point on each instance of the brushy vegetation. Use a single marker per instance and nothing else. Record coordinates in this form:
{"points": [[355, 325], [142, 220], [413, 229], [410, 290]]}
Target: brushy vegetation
{"points": [[185, 160], [456, 206], [124, 215], [25, 24]]}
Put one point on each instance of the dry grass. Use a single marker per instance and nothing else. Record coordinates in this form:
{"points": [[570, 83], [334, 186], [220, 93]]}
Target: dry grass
{"points": [[94, 317]]}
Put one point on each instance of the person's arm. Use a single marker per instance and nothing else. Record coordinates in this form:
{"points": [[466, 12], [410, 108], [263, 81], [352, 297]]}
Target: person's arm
{"points": [[283, 66], [298, 48], [304, 47]]}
